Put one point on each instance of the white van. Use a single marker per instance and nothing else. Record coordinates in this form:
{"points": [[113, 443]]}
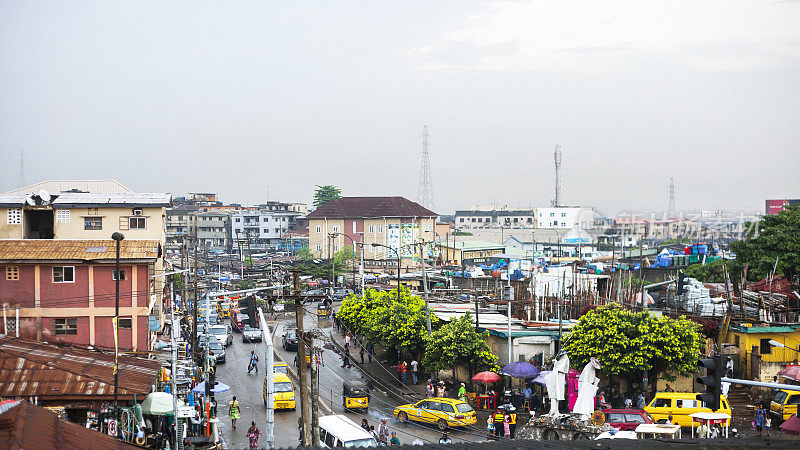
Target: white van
{"points": [[339, 431]]}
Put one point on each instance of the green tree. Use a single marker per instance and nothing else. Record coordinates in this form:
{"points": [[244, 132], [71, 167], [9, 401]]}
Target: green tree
{"points": [[326, 193], [309, 265], [243, 284], [712, 272], [627, 342], [384, 319], [457, 344], [778, 237]]}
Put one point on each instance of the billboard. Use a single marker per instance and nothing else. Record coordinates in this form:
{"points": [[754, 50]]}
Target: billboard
{"points": [[776, 206], [401, 236]]}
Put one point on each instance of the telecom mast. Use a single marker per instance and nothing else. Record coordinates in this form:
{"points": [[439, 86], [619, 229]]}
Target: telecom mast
{"points": [[671, 208], [557, 158], [425, 186]]}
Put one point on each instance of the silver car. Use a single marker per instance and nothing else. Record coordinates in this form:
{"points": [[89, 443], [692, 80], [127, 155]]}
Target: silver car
{"points": [[251, 334], [223, 333]]}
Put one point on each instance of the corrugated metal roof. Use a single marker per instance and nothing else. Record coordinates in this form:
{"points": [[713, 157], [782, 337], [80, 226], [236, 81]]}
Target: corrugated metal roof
{"points": [[30, 369], [27, 426], [84, 199], [56, 186], [84, 250]]}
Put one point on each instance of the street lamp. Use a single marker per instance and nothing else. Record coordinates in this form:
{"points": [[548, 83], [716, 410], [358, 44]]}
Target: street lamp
{"points": [[353, 243], [118, 237]]}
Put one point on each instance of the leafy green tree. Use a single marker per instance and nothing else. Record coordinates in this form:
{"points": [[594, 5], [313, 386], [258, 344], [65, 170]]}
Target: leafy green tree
{"points": [[326, 193], [309, 265], [778, 237], [712, 272], [627, 342], [457, 344], [384, 319], [243, 284]]}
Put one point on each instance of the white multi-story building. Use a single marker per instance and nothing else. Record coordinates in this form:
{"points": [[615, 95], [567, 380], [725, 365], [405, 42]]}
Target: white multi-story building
{"points": [[262, 227], [565, 217]]}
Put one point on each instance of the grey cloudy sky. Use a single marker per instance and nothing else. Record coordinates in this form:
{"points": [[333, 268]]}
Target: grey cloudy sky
{"points": [[232, 97]]}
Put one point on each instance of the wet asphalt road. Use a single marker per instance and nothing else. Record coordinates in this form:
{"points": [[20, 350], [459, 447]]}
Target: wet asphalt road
{"points": [[248, 389]]}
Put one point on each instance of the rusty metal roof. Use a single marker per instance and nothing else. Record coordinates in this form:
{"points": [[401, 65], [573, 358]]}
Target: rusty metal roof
{"points": [[26, 426], [85, 250], [30, 369]]}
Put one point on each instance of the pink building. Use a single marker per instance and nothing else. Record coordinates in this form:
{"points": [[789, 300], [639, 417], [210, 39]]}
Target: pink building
{"points": [[64, 291]]}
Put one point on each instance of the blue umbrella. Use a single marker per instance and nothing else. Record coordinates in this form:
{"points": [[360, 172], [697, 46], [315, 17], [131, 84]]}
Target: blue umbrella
{"points": [[520, 369], [220, 387]]}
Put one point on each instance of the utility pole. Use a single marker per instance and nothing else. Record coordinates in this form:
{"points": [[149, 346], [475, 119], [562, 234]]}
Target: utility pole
{"points": [[301, 362], [314, 394], [194, 311], [118, 237], [425, 283]]}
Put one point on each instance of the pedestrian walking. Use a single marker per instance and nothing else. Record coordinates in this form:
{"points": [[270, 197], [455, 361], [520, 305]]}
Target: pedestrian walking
{"points": [[253, 433], [370, 351], [399, 373], [346, 358], [628, 403], [405, 373], [441, 391], [498, 422], [383, 432], [512, 419], [361, 353], [507, 426], [253, 362], [395, 440], [365, 425], [760, 419], [462, 393], [414, 368], [489, 427], [641, 402], [233, 411], [445, 439], [429, 389], [373, 432], [347, 340]]}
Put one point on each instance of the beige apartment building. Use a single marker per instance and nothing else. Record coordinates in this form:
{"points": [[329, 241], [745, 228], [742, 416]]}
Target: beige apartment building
{"points": [[394, 224]]}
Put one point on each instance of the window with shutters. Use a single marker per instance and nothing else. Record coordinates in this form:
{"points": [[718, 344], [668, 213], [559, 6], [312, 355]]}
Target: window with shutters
{"points": [[372, 228], [14, 216], [65, 326], [63, 216], [12, 273]]}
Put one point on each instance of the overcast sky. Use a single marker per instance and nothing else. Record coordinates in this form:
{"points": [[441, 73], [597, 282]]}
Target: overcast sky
{"points": [[245, 98]]}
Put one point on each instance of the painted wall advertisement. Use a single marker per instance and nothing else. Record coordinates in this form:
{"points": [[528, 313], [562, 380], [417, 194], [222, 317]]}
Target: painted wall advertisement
{"points": [[400, 236]]}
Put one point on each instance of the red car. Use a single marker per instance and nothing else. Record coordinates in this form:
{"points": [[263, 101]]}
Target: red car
{"points": [[626, 419]]}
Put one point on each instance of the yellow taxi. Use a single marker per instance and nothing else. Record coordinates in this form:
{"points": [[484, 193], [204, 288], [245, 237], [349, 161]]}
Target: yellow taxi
{"points": [[784, 405], [444, 412], [284, 392], [280, 368]]}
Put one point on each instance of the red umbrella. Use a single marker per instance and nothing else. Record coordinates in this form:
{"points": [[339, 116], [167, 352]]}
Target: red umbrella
{"points": [[487, 377], [792, 425], [792, 372]]}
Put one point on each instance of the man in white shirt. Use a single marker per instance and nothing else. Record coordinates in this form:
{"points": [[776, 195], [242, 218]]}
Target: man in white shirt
{"points": [[414, 365]]}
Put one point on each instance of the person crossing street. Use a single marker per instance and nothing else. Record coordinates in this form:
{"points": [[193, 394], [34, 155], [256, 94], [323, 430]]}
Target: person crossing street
{"points": [[253, 362]]}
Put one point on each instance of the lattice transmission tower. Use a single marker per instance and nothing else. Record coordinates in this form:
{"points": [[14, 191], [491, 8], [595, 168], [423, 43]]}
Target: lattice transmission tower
{"points": [[671, 207], [425, 186], [557, 159]]}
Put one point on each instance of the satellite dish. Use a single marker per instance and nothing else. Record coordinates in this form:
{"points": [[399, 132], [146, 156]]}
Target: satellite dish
{"points": [[45, 196], [30, 201]]}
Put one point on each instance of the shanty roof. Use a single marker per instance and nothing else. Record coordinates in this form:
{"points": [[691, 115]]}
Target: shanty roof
{"points": [[82, 250], [29, 369], [471, 245], [27, 426], [58, 186], [88, 199], [370, 207]]}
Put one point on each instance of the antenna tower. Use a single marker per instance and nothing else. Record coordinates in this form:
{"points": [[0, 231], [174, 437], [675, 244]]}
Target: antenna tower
{"points": [[671, 207], [425, 186], [21, 180], [557, 158]]}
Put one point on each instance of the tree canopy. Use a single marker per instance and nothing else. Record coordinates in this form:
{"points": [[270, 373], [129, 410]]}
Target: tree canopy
{"points": [[778, 237], [385, 319], [326, 193], [342, 263], [627, 342], [457, 344]]}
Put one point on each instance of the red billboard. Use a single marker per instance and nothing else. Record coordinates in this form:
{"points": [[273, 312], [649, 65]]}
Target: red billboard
{"points": [[776, 206]]}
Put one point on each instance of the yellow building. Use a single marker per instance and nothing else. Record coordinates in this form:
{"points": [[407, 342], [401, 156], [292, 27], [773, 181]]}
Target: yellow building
{"points": [[392, 224], [474, 251], [764, 350]]}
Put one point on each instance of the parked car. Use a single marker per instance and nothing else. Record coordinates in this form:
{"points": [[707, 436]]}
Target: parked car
{"points": [[626, 419], [250, 334], [223, 333], [219, 350], [317, 292], [237, 323], [290, 340], [340, 294]]}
